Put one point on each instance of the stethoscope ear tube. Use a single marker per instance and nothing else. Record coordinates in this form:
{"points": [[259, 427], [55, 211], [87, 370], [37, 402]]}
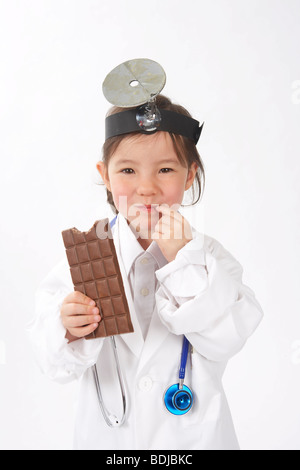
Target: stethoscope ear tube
{"points": [[111, 420]]}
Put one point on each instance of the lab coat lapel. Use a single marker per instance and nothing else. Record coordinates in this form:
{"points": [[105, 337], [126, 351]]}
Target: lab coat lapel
{"points": [[135, 340], [156, 334]]}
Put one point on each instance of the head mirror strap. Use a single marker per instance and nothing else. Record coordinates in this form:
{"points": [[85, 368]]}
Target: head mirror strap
{"points": [[125, 122], [180, 124]]}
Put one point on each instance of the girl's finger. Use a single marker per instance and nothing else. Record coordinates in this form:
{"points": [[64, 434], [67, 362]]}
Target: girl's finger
{"points": [[71, 309], [172, 228], [80, 320], [84, 331], [171, 212], [78, 298]]}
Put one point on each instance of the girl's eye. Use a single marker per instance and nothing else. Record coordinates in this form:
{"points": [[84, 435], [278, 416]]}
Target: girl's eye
{"points": [[166, 170], [127, 171]]}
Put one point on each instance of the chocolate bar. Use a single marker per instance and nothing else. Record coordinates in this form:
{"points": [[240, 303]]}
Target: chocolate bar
{"points": [[96, 273]]}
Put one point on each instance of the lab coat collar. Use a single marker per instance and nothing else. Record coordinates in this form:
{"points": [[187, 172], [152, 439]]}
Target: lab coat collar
{"points": [[135, 340], [157, 331], [155, 251], [130, 249]]}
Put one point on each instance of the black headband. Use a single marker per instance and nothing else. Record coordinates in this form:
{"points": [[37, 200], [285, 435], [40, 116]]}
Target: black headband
{"points": [[126, 122]]}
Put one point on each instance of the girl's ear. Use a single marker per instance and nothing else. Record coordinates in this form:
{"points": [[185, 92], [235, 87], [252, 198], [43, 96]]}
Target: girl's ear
{"points": [[191, 175], [102, 168]]}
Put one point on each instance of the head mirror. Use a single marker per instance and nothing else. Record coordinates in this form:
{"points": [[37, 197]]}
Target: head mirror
{"points": [[134, 83]]}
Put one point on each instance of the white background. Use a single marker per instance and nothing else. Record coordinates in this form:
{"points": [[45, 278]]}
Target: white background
{"points": [[232, 63]]}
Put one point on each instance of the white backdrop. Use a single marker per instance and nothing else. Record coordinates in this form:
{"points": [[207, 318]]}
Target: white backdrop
{"points": [[232, 63]]}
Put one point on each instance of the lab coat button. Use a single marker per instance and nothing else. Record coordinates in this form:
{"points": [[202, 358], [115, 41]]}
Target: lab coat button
{"points": [[144, 291], [145, 384]]}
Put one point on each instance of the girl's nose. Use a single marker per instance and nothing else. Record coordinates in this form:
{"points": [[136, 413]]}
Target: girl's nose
{"points": [[146, 187]]}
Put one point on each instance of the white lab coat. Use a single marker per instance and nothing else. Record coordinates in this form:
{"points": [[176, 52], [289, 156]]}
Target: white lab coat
{"points": [[201, 295]]}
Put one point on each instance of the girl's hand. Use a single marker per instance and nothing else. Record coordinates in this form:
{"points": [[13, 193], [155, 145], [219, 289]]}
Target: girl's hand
{"points": [[79, 315], [172, 232]]}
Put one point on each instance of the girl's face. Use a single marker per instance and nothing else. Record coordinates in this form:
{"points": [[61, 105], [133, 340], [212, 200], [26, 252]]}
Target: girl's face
{"points": [[145, 172]]}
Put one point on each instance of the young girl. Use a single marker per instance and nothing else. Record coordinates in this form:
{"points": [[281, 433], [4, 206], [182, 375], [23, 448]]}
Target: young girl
{"points": [[177, 282]]}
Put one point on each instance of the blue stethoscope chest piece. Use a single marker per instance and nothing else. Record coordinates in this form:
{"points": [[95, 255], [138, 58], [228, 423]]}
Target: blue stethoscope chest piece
{"points": [[178, 401], [179, 398]]}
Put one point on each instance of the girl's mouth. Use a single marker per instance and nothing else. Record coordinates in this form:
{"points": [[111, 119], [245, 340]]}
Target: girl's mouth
{"points": [[146, 207], [149, 207]]}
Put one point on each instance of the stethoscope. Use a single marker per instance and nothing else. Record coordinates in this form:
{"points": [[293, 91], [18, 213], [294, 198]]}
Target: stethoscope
{"points": [[178, 398]]}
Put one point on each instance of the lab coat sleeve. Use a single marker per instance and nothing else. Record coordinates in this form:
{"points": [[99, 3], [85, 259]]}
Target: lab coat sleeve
{"points": [[60, 360], [201, 295]]}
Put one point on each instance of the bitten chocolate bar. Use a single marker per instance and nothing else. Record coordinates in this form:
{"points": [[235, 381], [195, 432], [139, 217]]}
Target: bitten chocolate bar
{"points": [[96, 273]]}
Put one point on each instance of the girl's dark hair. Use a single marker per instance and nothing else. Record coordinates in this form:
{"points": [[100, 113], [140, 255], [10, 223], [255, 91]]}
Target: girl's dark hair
{"points": [[185, 148]]}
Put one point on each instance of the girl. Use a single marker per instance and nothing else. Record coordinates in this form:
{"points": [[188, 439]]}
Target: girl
{"points": [[177, 282]]}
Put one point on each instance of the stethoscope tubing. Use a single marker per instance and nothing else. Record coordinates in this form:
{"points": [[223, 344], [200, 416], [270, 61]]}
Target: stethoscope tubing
{"points": [[184, 355], [111, 420]]}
